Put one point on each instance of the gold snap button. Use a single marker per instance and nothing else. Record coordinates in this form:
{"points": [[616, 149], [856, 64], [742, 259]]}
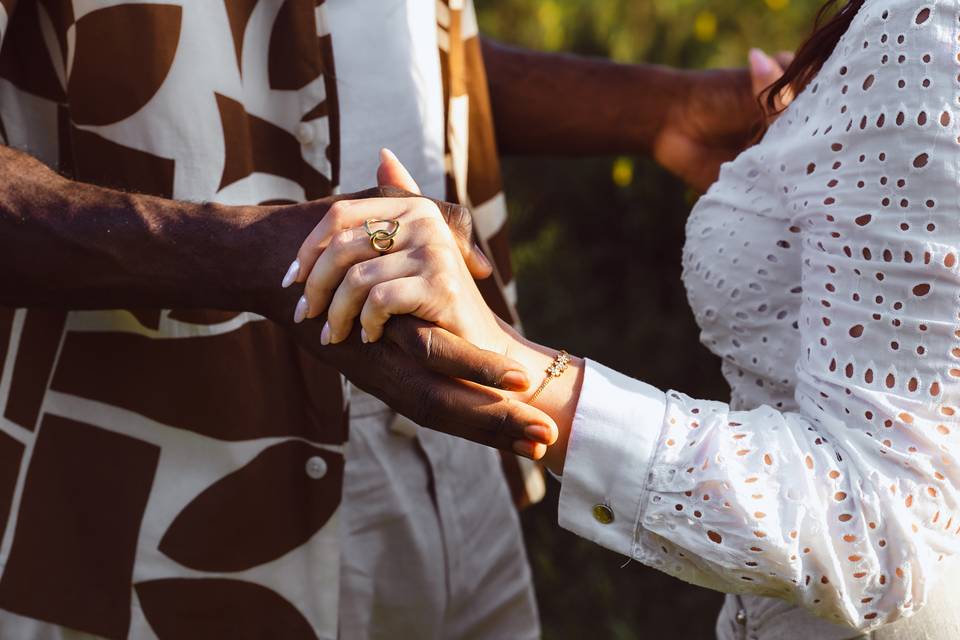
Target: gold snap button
{"points": [[602, 513]]}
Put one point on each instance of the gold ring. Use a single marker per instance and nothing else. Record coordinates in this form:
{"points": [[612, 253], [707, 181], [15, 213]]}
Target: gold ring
{"points": [[382, 240]]}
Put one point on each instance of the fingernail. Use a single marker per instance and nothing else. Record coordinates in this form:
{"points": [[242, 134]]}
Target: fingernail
{"points": [[515, 381], [389, 154], [524, 448], [301, 311], [482, 256], [538, 433], [325, 334], [760, 63], [363, 336], [291, 276]]}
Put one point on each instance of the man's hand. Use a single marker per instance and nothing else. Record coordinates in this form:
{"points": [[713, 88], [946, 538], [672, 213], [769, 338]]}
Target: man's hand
{"points": [[717, 118], [562, 104], [418, 370]]}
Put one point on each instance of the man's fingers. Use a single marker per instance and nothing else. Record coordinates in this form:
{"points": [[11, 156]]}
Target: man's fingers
{"points": [[392, 173], [448, 354], [481, 415], [764, 71], [460, 221], [784, 58]]}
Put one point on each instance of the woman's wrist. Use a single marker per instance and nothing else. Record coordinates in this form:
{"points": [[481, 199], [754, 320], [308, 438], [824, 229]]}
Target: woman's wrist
{"points": [[559, 397]]}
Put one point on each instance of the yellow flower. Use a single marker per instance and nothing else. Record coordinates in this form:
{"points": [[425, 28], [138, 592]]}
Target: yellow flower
{"points": [[705, 26], [622, 173]]}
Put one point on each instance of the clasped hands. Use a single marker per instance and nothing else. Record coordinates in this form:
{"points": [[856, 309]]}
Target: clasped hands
{"points": [[426, 342]]}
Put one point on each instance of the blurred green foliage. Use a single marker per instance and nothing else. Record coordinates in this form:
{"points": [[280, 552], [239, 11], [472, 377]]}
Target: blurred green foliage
{"points": [[597, 246]]}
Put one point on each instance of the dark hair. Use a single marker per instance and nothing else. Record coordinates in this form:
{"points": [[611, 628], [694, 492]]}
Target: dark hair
{"points": [[827, 31]]}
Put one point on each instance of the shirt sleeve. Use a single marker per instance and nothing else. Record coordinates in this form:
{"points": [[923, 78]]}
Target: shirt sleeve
{"points": [[847, 506]]}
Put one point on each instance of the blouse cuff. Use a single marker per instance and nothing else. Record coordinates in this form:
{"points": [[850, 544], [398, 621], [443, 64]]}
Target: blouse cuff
{"points": [[614, 436]]}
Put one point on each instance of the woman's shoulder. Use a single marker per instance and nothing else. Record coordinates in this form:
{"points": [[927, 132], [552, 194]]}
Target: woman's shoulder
{"points": [[896, 52]]}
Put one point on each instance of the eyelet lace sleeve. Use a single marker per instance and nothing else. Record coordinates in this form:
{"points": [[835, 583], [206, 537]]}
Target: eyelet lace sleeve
{"points": [[845, 503]]}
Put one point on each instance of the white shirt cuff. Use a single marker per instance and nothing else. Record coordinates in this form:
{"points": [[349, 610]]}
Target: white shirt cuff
{"points": [[614, 436]]}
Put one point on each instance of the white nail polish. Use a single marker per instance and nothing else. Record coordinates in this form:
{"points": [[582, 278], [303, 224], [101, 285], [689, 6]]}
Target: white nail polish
{"points": [[291, 274], [325, 334], [363, 336], [301, 311]]}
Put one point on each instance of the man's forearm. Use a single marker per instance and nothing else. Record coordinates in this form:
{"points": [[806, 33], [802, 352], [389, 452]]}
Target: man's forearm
{"points": [[565, 104], [78, 246]]}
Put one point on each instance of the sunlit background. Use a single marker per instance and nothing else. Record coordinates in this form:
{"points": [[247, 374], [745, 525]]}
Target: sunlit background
{"points": [[583, 288]]}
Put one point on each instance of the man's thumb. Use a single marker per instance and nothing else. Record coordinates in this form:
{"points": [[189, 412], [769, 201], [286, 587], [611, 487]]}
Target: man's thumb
{"points": [[392, 173]]}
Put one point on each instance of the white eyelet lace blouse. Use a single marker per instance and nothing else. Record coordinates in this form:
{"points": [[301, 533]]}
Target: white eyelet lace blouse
{"points": [[824, 269]]}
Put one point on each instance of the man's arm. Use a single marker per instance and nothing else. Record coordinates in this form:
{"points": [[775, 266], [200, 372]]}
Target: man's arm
{"points": [[73, 245], [70, 245], [564, 104]]}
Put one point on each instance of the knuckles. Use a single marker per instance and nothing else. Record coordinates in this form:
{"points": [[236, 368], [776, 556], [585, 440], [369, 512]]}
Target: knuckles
{"points": [[337, 214], [356, 277], [379, 296], [339, 243]]}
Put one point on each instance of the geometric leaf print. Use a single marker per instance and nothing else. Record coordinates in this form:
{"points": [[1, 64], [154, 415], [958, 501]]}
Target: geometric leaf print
{"points": [[260, 512], [218, 609], [202, 316], [6, 326], [294, 32], [24, 58], [129, 65], [254, 144], [11, 452], [238, 13], [103, 162], [60, 14], [245, 384], [39, 341], [73, 550]]}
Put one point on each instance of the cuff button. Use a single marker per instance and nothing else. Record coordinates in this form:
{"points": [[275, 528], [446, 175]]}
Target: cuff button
{"points": [[602, 513]]}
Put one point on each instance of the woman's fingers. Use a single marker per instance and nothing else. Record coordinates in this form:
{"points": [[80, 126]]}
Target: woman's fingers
{"points": [[350, 296], [394, 298], [342, 215], [347, 248]]}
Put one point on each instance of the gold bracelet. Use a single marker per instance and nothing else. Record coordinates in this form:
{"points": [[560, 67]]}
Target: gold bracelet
{"points": [[555, 370]]}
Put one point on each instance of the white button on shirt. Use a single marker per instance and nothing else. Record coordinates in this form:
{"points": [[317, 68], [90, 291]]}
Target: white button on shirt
{"points": [[823, 269], [305, 133]]}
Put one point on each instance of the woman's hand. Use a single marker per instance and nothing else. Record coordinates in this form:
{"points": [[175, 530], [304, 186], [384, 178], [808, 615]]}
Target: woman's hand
{"points": [[423, 274]]}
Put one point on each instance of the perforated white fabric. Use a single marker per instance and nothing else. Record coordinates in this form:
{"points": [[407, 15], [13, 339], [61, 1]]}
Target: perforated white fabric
{"points": [[823, 269]]}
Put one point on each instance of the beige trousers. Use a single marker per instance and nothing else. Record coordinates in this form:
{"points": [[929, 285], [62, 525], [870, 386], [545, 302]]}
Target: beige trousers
{"points": [[432, 547], [757, 618]]}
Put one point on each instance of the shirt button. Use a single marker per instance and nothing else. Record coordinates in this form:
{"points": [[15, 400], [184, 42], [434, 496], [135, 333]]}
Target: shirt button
{"points": [[741, 617], [602, 513], [316, 467], [305, 133]]}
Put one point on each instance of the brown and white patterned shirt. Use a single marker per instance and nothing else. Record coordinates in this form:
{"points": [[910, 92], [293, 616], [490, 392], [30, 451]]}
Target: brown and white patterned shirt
{"points": [[162, 471]]}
